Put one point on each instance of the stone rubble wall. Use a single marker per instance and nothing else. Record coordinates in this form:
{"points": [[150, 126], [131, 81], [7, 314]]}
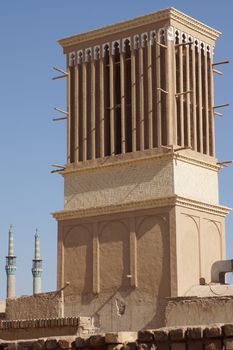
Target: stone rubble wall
{"points": [[211, 337]]}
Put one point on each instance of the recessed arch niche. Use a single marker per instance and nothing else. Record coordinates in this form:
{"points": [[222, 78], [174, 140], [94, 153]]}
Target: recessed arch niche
{"points": [[114, 256], [153, 262], [78, 260]]}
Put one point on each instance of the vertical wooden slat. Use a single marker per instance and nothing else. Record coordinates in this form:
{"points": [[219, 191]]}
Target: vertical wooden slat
{"points": [[68, 109], [141, 84], [123, 106], [180, 97], [150, 95], [102, 110], [188, 97], [84, 88], [158, 84], [112, 104], [211, 105], [76, 140], [175, 140], [200, 100], [154, 91], [170, 102], [133, 93], [206, 116], [194, 101], [93, 117]]}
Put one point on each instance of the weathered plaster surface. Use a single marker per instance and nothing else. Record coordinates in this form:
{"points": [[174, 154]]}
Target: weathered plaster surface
{"points": [[44, 305], [195, 182], [199, 311], [200, 241], [121, 266], [134, 182], [144, 180]]}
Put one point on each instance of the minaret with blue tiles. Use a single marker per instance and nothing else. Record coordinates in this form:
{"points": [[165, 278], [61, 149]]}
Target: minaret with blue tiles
{"points": [[37, 268], [10, 266]]}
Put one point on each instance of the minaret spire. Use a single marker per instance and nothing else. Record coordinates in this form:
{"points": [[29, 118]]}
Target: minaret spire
{"points": [[10, 266], [37, 266]]}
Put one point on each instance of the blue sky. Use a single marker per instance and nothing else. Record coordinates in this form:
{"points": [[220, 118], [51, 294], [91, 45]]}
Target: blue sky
{"points": [[30, 142]]}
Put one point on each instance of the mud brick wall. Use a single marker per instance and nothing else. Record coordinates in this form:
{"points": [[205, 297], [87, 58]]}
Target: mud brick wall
{"points": [[44, 328], [44, 305]]}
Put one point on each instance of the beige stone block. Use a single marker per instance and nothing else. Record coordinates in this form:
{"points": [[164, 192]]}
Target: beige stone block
{"points": [[120, 337]]}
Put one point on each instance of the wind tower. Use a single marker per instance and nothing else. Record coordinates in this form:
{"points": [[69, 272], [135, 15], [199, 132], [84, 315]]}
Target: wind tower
{"points": [[37, 268], [141, 219], [10, 266]]}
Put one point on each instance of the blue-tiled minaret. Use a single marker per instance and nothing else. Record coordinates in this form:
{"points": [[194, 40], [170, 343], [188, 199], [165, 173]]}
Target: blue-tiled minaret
{"points": [[10, 266], [37, 266]]}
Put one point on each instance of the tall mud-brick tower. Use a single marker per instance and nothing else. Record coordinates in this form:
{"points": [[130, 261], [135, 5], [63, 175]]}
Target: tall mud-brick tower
{"points": [[141, 219]]}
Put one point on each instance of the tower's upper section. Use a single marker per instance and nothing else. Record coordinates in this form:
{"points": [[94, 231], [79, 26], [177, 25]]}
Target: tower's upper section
{"points": [[139, 85]]}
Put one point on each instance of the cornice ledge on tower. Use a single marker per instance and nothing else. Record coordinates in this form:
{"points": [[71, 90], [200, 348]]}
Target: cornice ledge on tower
{"points": [[122, 160], [140, 205], [192, 23], [210, 208], [137, 22]]}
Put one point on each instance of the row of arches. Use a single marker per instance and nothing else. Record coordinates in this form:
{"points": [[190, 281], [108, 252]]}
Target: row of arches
{"points": [[114, 257], [199, 245]]}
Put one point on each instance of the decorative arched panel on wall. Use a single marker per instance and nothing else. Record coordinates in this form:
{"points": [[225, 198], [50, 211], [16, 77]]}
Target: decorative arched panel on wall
{"points": [[114, 256], [188, 259], [211, 247], [78, 260], [153, 257]]}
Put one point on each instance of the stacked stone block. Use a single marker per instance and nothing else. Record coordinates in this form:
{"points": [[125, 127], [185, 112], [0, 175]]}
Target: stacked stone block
{"points": [[211, 337]]}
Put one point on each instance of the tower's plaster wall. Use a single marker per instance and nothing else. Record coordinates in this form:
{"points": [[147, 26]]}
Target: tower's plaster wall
{"points": [[121, 184], [200, 241], [196, 182], [121, 266], [139, 181]]}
